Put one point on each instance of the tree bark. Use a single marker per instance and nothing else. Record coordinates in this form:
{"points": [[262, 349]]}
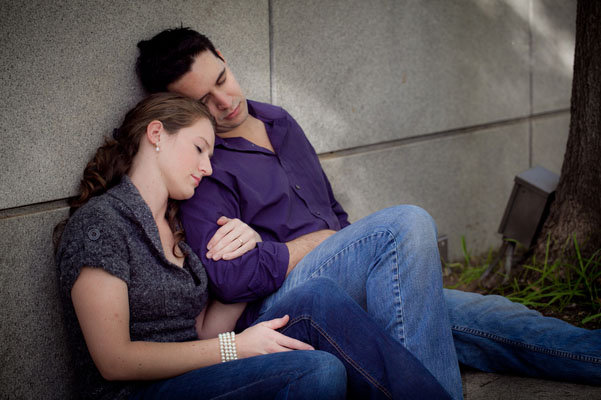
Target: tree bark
{"points": [[576, 210]]}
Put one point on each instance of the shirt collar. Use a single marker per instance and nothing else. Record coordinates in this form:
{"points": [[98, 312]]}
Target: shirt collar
{"points": [[275, 120]]}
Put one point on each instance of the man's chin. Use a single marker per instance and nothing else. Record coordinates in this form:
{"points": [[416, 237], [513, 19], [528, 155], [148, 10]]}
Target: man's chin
{"points": [[228, 126]]}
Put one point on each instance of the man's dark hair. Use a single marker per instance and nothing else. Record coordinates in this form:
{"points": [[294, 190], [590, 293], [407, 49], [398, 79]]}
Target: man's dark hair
{"points": [[169, 55]]}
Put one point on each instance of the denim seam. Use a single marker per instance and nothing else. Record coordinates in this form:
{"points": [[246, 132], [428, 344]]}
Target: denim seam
{"points": [[367, 376], [397, 295], [538, 349]]}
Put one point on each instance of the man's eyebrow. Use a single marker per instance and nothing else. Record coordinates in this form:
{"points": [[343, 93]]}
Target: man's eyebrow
{"points": [[216, 81]]}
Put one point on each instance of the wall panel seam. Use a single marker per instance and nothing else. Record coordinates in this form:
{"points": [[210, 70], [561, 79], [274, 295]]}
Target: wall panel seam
{"points": [[436, 135]]}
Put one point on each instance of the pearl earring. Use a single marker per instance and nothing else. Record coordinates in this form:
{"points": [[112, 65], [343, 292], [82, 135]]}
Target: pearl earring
{"points": [[157, 147]]}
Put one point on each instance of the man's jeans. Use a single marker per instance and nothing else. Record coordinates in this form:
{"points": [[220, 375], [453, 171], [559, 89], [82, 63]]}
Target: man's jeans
{"points": [[392, 270], [389, 263], [494, 334]]}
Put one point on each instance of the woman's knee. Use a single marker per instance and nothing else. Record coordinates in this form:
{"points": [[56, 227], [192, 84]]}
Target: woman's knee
{"points": [[326, 374], [318, 293], [317, 299]]}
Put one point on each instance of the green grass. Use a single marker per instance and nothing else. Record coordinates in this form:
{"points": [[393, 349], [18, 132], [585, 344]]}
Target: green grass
{"points": [[544, 285]]}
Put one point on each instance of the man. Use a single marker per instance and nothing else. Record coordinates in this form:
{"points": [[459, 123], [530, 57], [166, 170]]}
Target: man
{"points": [[267, 174]]}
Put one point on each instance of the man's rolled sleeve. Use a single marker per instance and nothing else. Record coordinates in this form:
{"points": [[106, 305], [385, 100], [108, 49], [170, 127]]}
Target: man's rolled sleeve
{"points": [[254, 275]]}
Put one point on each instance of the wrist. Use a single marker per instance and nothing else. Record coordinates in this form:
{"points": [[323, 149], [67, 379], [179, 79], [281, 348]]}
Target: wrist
{"points": [[227, 346]]}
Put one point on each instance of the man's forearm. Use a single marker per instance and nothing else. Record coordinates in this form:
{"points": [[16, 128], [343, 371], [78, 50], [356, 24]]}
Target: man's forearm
{"points": [[302, 245]]}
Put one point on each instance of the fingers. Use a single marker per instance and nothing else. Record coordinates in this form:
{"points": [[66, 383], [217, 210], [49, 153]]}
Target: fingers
{"points": [[221, 232], [264, 339], [289, 343], [283, 340], [222, 220], [224, 238], [276, 323], [243, 243], [239, 251], [232, 240], [229, 243]]}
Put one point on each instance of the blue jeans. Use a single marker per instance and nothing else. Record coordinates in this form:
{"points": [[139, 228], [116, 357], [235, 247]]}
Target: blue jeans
{"points": [[290, 375], [388, 263], [494, 334], [377, 366]]}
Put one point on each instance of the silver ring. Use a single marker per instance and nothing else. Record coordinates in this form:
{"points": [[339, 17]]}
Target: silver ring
{"points": [[241, 242]]}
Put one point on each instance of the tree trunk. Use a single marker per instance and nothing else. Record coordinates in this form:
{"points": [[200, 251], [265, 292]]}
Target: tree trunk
{"points": [[576, 209]]}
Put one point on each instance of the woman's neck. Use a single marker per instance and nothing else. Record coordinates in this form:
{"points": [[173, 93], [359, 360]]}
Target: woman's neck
{"points": [[151, 189]]}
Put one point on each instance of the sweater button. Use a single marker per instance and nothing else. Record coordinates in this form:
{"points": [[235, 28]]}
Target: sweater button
{"points": [[93, 233]]}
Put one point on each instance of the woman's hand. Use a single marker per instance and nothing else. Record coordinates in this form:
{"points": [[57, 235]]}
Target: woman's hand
{"points": [[232, 240], [264, 339]]}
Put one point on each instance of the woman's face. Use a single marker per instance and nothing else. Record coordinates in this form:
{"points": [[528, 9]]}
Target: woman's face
{"points": [[184, 158]]}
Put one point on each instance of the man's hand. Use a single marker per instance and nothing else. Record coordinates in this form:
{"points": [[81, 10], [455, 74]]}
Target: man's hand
{"points": [[302, 245], [233, 239]]}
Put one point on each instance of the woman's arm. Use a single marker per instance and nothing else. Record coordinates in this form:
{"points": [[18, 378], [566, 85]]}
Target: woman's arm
{"points": [[218, 317], [101, 304]]}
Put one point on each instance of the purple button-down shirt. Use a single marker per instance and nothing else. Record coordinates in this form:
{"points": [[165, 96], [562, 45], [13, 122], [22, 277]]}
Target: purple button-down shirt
{"points": [[281, 196]]}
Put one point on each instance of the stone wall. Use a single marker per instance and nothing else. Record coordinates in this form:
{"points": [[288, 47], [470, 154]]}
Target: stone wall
{"points": [[438, 103]]}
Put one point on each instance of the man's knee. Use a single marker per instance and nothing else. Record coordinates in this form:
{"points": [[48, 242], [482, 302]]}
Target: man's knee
{"points": [[410, 222]]}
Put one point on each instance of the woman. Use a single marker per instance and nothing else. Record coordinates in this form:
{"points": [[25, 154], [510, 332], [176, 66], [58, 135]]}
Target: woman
{"points": [[136, 299]]}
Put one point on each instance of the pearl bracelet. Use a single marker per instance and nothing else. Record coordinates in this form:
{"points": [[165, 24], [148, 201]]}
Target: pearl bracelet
{"points": [[227, 346]]}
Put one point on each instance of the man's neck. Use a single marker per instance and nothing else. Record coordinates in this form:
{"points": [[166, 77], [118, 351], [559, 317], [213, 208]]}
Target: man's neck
{"points": [[243, 130], [253, 130]]}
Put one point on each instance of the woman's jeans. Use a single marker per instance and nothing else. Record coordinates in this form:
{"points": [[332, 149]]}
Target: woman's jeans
{"points": [[377, 366], [388, 262], [290, 375], [321, 314]]}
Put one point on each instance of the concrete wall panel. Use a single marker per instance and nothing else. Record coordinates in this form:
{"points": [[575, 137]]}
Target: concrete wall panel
{"points": [[35, 357], [67, 78], [549, 138], [553, 27], [464, 181], [357, 72]]}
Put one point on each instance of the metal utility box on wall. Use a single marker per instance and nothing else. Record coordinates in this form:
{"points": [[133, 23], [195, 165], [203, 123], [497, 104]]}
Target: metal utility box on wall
{"points": [[528, 202], [524, 214]]}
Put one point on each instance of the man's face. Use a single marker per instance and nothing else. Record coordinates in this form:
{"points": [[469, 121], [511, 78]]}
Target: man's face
{"points": [[211, 81]]}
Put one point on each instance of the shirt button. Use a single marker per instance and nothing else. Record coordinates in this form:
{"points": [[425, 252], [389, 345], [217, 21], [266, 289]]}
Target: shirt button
{"points": [[317, 212], [93, 233], [297, 187]]}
